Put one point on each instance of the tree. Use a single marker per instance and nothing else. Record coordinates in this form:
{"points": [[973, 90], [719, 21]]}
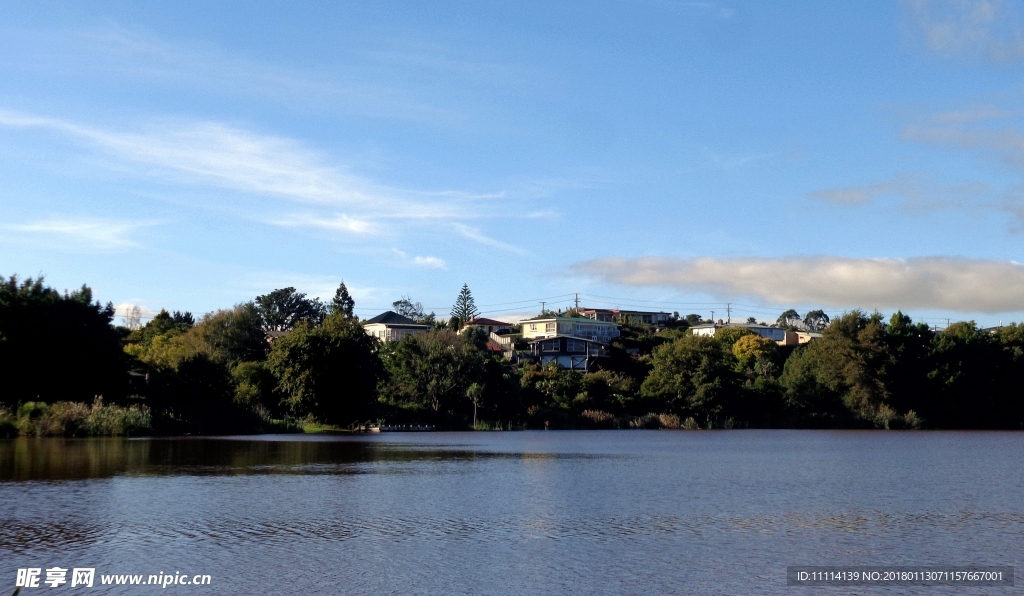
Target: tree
{"points": [[816, 320], [789, 318], [283, 309], [330, 371], [693, 319], [413, 310], [57, 346], [183, 318], [695, 376], [839, 379], [752, 348], [133, 318], [464, 309], [751, 321], [342, 303], [433, 370]]}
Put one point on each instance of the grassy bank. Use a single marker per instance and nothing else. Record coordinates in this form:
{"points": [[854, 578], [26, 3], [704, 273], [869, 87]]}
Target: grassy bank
{"points": [[73, 419]]}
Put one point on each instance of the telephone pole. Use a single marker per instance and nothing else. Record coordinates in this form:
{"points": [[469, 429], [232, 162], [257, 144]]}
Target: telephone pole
{"points": [[728, 312], [712, 317], [542, 307], [577, 301]]}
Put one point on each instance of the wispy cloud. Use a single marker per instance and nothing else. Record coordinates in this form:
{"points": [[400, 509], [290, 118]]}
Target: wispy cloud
{"points": [[351, 84], [220, 156], [88, 233], [479, 237], [912, 191], [339, 222], [1007, 143], [985, 29], [948, 283]]}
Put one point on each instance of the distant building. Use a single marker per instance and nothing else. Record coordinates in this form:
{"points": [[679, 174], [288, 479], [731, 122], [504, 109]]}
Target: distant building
{"points": [[488, 325], [571, 342], [779, 335], [391, 326], [577, 327], [621, 316], [571, 353]]}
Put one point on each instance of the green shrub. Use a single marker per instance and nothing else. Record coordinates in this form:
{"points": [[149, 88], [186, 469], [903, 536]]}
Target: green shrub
{"points": [[73, 419]]}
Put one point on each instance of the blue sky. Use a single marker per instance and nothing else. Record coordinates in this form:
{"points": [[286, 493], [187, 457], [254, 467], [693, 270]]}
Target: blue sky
{"points": [[673, 155]]}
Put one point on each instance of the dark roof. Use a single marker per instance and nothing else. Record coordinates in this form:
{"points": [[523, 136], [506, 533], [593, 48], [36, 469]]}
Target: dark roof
{"points": [[486, 321], [392, 318]]}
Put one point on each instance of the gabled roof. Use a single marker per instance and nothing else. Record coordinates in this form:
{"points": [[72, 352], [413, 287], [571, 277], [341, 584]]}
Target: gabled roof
{"points": [[486, 321], [392, 318], [564, 319]]}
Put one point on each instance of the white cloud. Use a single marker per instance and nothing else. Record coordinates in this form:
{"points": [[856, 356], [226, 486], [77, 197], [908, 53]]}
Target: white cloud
{"points": [[477, 236], [125, 308], [339, 223], [427, 262], [987, 29], [430, 262], [89, 233], [947, 283]]}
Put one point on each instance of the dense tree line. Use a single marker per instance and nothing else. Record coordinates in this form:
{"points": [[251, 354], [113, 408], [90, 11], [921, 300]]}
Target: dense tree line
{"points": [[284, 359]]}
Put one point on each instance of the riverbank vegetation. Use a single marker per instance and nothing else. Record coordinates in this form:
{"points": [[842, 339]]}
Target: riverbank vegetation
{"points": [[284, 361]]}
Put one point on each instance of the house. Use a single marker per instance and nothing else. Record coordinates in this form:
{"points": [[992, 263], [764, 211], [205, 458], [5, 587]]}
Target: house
{"points": [[572, 353], [620, 316], [548, 326], [488, 325], [571, 342], [391, 326], [779, 335]]}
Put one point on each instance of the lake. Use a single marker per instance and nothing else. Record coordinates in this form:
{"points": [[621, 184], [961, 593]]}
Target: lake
{"points": [[560, 512]]}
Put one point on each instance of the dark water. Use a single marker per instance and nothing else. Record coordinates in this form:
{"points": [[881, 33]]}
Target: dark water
{"points": [[627, 512]]}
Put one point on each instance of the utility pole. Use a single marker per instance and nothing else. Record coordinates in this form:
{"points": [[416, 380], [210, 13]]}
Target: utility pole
{"points": [[712, 317], [577, 301], [542, 307], [728, 312]]}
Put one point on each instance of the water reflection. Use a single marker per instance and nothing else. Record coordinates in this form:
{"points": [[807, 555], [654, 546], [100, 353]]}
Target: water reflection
{"points": [[68, 459], [508, 513]]}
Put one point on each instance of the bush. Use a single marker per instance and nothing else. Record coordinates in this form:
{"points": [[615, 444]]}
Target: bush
{"points": [[73, 419]]}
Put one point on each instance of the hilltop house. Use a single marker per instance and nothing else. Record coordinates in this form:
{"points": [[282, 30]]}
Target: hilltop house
{"points": [[488, 325], [620, 316], [571, 342], [779, 335], [391, 326], [582, 327]]}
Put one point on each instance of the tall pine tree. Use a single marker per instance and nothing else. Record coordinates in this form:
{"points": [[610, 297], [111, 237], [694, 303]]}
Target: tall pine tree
{"points": [[343, 303], [464, 309]]}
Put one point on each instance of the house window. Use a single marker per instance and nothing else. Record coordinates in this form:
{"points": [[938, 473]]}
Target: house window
{"points": [[574, 346], [549, 346], [549, 328], [533, 326]]}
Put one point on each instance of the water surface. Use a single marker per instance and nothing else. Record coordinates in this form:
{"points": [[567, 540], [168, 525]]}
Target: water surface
{"points": [[656, 512]]}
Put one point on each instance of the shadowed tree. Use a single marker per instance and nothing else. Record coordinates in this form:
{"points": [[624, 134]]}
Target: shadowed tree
{"points": [[789, 318], [816, 320], [283, 309], [57, 346], [342, 304]]}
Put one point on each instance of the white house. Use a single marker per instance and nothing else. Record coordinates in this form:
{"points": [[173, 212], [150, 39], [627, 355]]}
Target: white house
{"points": [[559, 326], [391, 326], [777, 334]]}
